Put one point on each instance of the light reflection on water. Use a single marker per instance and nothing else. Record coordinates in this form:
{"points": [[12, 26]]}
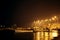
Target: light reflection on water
{"points": [[45, 35]]}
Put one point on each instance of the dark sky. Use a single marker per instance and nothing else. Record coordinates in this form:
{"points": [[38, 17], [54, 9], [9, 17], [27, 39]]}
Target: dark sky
{"points": [[24, 12]]}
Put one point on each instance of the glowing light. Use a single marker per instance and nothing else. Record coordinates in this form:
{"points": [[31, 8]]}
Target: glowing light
{"points": [[38, 21], [54, 33], [34, 22], [46, 19], [55, 16], [41, 25], [42, 20], [23, 31], [50, 20], [46, 35], [38, 36]]}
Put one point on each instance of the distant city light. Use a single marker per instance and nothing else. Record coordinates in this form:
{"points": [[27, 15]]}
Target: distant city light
{"points": [[55, 16], [46, 20], [50, 19]]}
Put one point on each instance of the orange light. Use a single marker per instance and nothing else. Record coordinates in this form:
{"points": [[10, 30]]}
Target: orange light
{"points": [[38, 36], [50, 20], [54, 33], [46, 20], [53, 18]]}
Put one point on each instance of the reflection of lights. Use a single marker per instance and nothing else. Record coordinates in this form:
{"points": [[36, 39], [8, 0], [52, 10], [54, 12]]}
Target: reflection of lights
{"points": [[46, 35], [50, 34], [38, 35], [54, 33]]}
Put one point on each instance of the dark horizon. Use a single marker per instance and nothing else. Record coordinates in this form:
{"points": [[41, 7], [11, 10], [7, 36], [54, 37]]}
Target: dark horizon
{"points": [[24, 12]]}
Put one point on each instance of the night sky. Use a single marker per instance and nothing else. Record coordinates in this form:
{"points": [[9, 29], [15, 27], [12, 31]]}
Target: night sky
{"points": [[24, 12]]}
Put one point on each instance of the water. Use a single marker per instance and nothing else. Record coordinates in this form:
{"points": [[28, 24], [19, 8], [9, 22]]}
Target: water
{"points": [[36, 35], [23, 36], [9, 35], [45, 35]]}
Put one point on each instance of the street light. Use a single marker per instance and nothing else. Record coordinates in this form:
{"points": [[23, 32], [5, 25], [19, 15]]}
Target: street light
{"points": [[50, 20], [55, 16], [46, 20]]}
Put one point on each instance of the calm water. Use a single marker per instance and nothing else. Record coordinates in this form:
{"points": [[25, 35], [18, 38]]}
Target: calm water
{"points": [[23, 36], [9, 35], [36, 35]]}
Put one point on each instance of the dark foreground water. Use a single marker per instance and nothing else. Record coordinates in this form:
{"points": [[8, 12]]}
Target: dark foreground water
{"points": [[6, 34], [11, 35], [23, 36]]}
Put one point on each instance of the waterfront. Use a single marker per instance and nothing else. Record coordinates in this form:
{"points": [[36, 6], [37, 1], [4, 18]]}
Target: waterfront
{"points": [[46, 29], [37, 35], [9, 35]]}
